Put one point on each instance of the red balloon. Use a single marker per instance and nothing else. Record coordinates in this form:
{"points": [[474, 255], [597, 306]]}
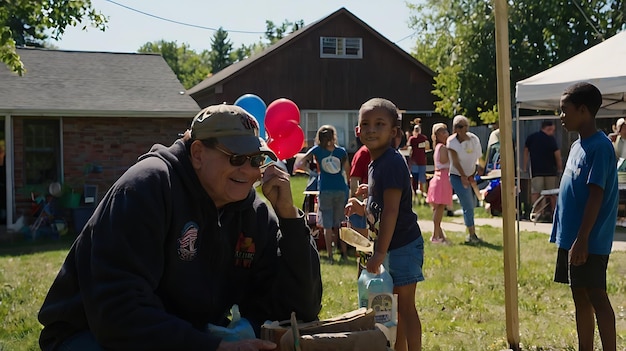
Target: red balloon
{"points": [[278, 112], [282, 130], [288, 142]]}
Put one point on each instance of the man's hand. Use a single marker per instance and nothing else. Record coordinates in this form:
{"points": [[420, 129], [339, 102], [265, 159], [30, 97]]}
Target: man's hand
{"points": [[277, 190], [579, 252], [247, 345]]}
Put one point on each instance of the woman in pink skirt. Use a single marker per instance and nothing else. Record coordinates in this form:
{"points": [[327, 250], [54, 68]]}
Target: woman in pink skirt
{"points": [[440, 189]]}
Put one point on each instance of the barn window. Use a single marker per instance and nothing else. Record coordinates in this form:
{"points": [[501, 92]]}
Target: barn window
{"points": [[341, 47]]}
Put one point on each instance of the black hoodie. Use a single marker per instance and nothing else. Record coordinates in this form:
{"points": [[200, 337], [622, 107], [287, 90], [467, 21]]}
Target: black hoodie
{"points": [[157, 261]]}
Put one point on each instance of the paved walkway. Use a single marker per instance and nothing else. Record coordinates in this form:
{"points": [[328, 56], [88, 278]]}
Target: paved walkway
{"points": [[455, 224]]}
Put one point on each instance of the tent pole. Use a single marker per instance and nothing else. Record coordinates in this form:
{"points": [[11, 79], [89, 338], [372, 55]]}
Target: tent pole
{"points": [[518, 191], [508, 178]]}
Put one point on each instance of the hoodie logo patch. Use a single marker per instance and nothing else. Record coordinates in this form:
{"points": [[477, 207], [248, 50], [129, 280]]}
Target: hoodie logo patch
{"points": [[244, 251], [187, 249]]}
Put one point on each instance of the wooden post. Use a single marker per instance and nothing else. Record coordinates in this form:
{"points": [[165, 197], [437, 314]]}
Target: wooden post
{"points": [[508, 174]]}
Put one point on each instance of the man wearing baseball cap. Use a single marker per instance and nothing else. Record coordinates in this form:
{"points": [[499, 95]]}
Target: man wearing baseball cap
{"points": [[180, 238]]}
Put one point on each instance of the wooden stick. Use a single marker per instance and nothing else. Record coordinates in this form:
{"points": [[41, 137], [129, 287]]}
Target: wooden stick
{"points": [[508, 178], [296, 332]]}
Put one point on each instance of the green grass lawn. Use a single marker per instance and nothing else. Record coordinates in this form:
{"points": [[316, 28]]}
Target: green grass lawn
{"points": [[461, 302]]}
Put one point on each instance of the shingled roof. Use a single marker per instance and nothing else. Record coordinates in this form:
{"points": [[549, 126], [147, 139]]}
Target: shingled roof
{"points": [[79, 83]]}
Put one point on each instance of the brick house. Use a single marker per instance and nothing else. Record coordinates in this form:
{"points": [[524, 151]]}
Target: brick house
{"points": [[83, 118], [329, 68]]}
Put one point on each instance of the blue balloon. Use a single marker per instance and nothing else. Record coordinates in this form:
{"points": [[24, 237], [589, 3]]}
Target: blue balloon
{"points": [[255, 106]]}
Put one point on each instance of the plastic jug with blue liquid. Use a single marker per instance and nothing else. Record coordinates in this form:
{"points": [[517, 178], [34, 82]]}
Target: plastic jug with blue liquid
{"points": [[370, 283], [238, 329]]}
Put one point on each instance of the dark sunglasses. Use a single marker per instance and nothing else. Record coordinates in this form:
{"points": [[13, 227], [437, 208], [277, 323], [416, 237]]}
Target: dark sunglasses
{"points": [[460, 126], [257, 160]]}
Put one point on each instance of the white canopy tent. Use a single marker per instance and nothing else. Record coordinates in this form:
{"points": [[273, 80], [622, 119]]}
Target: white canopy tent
{"points": [[603, 65]]}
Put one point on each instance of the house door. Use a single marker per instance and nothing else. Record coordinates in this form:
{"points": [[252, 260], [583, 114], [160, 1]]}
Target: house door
{"points": [[3, 175]]}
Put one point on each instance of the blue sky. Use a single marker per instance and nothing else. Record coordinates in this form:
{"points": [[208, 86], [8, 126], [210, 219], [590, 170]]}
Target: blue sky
{"points": [[129, 29]]}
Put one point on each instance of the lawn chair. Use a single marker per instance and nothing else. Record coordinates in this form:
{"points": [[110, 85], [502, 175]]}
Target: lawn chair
{"points": [[45, 212]]}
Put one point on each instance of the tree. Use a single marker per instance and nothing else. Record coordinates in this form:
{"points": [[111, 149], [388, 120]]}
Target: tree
{"points": [[190, 68], [272, 35], [457, 40], [28, 22], [221, 50], [242, 52]]}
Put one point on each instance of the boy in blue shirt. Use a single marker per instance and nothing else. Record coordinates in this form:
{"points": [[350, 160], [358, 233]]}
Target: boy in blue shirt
{"points": [[586, 212]]}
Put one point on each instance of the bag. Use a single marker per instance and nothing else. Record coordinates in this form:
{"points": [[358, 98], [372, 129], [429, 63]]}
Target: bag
{"points": [[355, 330]]}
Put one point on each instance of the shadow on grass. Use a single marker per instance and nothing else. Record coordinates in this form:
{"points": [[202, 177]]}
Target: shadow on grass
{"points": [[484, 244], [26, 247]]}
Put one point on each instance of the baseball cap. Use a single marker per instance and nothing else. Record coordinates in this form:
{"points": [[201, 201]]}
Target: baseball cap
{"points": [[233, 127]]}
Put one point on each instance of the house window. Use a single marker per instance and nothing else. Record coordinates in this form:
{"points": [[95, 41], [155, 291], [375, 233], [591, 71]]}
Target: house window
{"points": [[341, 47], [311, 128], [41, 152]]}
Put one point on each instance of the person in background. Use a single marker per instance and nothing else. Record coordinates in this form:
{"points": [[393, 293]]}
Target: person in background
{"points": [[492, 153], [492, 191], [179, 239], [494, 136], [403, 138], [333, 185], [464, 151], [358, 176], [419, 144], [399, 245], [440, 189], [620, 140], [585, 217], [545, 162]]}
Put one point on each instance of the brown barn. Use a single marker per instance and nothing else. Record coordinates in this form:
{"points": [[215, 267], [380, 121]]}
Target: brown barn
{"points": [[81, 119], [328, 68]]}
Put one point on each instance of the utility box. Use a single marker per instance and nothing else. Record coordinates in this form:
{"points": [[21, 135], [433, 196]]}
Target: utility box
{"points": [[90, 194]]}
